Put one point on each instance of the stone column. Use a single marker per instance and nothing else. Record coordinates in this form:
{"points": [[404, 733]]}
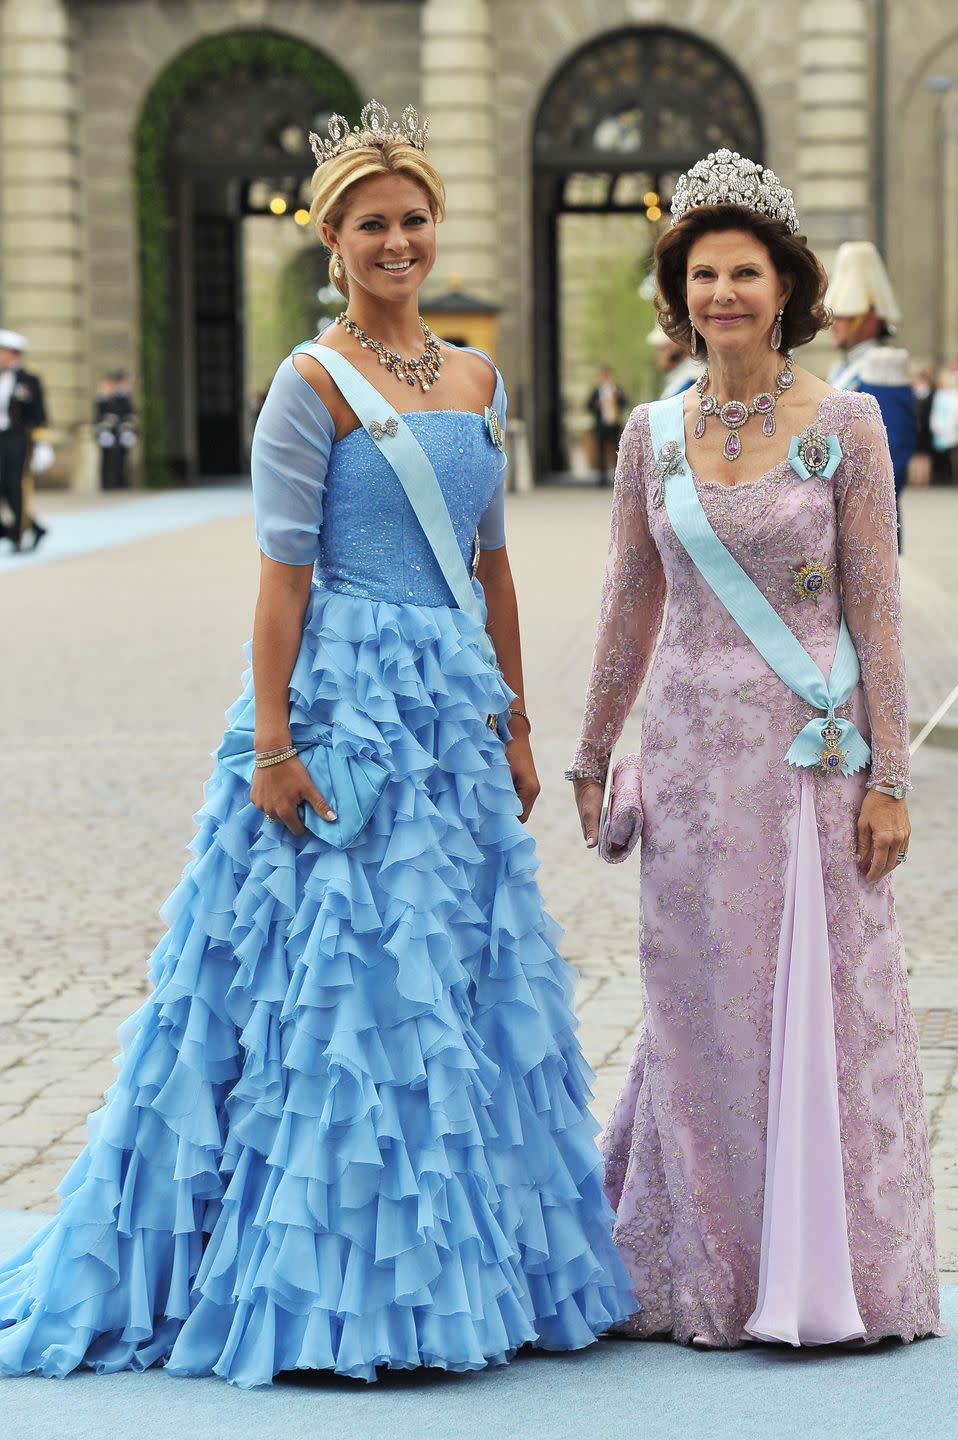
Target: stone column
{"points": [[40, 204], [833, 190], [458, 99], [948, 213]]}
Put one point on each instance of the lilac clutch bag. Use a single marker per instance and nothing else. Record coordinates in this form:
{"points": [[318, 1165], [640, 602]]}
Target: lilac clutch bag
{"points": [[622, 822]]}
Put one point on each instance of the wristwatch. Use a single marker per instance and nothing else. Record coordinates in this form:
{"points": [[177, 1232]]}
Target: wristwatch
{"points": [[897, 792]]}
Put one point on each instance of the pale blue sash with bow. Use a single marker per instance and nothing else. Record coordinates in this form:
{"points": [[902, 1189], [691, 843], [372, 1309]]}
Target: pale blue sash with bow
{"points": [[831, 743], [413, 468]]}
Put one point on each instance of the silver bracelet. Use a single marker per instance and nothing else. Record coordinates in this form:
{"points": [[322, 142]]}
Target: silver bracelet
{"points": [[584, 772], [896, 789]]}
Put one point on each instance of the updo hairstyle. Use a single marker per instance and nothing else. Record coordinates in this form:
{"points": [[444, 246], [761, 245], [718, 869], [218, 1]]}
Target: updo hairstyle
{"points": [[333, 182], [805, 313]]}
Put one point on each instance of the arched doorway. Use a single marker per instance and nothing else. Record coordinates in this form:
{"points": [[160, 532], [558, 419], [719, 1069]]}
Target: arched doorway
{"points": [[221, 137], [619, 122]]}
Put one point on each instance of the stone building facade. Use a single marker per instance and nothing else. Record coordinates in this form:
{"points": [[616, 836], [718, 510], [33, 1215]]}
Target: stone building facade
{"points": [[853, 102]]}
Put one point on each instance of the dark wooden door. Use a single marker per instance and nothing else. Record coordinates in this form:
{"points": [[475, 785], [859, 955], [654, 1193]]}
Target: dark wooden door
{"points": [[218, 346]]}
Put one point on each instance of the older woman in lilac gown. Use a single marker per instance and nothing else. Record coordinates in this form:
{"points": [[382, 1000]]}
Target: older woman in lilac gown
{"points": [[768, 1156]]}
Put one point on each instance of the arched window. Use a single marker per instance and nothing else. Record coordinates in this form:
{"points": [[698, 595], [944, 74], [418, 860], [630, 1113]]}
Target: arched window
{"points": [[619, 122]]}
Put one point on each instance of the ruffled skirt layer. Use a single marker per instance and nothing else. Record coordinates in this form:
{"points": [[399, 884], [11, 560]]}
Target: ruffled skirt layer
{"points": [[350, 1127]]}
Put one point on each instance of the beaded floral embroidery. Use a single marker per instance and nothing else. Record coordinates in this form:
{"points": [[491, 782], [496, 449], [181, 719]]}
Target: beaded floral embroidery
{"points": [[685, 1147]]}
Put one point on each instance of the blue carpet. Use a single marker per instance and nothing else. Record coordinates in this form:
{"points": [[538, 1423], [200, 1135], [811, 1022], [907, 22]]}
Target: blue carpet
{"points": [[617, 1390], [137, 517]]}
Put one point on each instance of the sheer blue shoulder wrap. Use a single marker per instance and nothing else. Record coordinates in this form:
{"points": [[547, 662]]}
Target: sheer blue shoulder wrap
{"points": [[492, 525], [290, 455]]}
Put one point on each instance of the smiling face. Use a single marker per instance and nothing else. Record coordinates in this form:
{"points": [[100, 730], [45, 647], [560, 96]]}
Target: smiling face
{"points": [[387, 237], [733, 291]]}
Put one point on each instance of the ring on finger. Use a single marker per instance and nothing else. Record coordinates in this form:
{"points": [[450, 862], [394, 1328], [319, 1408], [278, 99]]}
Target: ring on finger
{"points": [[270, 819], [902, 856]]}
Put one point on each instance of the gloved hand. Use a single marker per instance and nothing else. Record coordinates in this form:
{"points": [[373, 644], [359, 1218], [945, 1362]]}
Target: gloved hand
{"points": [[42, 458]]}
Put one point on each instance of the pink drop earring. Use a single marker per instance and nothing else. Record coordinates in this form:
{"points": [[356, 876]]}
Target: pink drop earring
{"points": [[775, 339]]}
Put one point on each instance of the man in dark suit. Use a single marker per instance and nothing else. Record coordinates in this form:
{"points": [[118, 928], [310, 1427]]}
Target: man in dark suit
{"points": [[606, 405], [23, 436]]}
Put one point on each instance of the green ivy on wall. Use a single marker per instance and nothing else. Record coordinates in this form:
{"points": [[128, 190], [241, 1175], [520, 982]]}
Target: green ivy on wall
{"points": [[215, 55]]}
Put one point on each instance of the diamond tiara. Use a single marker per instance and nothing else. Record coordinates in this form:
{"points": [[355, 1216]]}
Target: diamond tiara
{"points": [[374, 128], [725, 177]]}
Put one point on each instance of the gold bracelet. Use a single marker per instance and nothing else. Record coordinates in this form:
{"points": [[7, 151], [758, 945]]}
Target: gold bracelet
{"points": [[514, 710]]}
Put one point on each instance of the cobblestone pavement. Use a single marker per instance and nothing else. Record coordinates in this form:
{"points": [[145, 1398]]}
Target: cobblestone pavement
{"points": [[125, 661]]}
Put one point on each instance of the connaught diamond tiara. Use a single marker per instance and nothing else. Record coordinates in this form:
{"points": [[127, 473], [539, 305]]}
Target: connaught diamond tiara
{"points": [[725, 177], [374, 128]]}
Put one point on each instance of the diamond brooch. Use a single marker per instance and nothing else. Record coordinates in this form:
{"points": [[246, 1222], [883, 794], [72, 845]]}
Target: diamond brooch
{"points": [[379, 430], [813, 454], [494, 426], [670, 461]]}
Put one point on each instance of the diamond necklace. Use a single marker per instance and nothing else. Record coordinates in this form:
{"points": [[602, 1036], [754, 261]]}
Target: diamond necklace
{"points": [[423, 371], [734, 413]]}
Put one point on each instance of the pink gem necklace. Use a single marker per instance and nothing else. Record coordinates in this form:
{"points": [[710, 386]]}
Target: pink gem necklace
{"points": [[734, 413]]}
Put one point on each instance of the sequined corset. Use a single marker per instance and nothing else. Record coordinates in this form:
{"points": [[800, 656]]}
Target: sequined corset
{"points": [[371, 542]]}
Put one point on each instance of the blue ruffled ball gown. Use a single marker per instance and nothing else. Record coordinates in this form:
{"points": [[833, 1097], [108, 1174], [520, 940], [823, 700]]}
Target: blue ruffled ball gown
{"points": [[350, 1127]]}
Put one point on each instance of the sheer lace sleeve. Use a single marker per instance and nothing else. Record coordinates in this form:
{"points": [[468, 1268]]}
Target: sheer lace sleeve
{"points": [[868, 565], [630, 610]]}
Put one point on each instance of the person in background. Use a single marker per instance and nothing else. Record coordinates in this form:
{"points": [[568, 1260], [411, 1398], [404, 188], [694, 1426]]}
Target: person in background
{"points": [[923, 392], [943, 423], [115, 429], [606, 405], [866, 314], [23, 437], [679, 371]]}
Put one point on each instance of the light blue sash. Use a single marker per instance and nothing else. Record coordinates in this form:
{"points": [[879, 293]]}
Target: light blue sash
{"points": [[835, 745], [399, 446]]}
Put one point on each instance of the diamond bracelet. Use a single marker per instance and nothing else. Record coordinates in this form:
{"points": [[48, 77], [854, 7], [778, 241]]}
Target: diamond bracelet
{"points": [[263, 762]]}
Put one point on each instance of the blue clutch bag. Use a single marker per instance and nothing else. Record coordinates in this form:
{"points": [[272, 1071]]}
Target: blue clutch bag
{"points": [[351, 783]]}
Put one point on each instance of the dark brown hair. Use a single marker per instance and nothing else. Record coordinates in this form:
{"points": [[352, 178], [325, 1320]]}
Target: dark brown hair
{"points": [[805, 313]]}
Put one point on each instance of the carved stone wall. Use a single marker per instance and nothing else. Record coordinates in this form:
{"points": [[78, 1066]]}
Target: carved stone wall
{"points": [[73, 78], [922, 173]]}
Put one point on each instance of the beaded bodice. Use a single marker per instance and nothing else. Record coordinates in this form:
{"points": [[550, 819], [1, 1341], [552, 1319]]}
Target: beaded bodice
{"points": [[371, 543]]}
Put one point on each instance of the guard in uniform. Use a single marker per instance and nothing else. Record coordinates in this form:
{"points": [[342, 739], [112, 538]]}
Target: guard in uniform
{"points": [[866, 313], [115, 429], [23, 438]]}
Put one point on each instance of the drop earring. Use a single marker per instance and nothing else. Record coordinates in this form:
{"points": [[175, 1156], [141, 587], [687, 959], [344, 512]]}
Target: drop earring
{"points": [[775, 339], [695, 341], [336, 267]]}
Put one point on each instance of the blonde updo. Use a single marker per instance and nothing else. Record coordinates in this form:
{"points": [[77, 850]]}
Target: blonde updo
{"points": [[334, 180]]}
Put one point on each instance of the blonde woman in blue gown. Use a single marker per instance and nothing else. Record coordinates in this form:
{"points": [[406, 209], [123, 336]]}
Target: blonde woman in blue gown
{"points": [[350, 1128]]}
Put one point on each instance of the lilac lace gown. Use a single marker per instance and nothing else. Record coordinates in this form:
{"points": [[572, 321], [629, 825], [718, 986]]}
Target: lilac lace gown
{"points": [[768, 1156]]}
